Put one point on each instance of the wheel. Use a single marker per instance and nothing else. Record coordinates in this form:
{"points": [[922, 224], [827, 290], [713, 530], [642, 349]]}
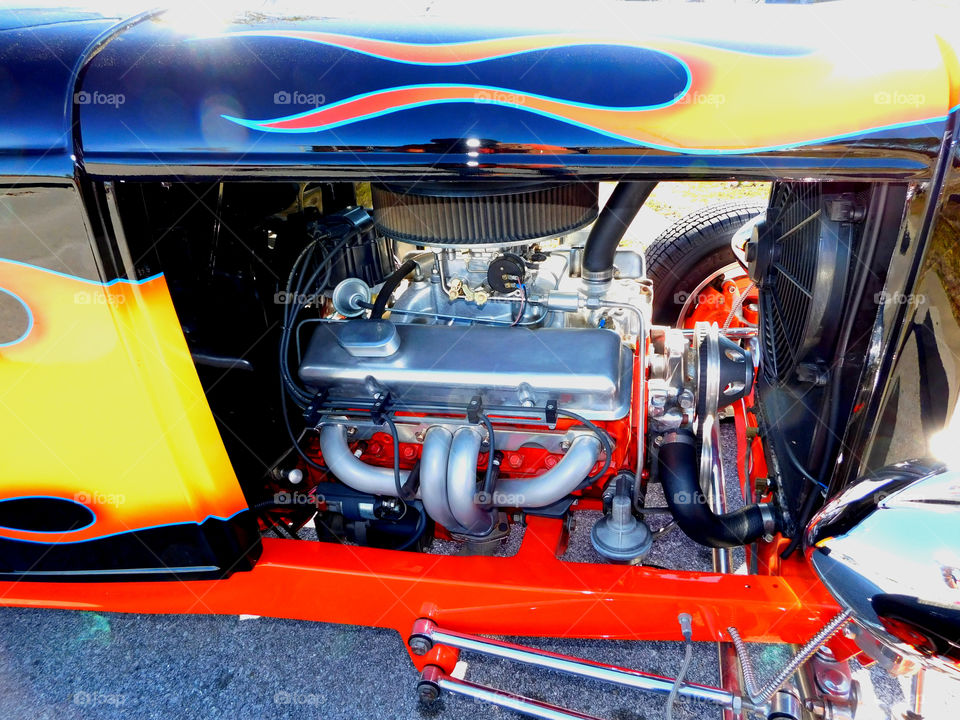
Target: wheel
{"points": [[693, 257]]}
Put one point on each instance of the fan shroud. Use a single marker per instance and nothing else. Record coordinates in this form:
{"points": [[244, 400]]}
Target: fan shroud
{"points": [[800, 258]]}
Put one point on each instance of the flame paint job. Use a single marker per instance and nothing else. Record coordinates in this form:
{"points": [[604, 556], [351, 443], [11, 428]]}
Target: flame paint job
{"points": [[656, 91], [103, 405], [770, 102]]}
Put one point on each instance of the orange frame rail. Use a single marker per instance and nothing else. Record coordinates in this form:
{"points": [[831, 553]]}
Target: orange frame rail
{"points": [[533, 593]]}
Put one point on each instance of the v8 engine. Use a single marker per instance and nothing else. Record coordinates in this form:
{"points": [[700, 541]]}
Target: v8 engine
{"points": [[509, 365]]}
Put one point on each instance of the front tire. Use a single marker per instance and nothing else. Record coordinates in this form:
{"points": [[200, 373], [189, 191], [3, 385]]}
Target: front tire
{"points": [[692, 249]]}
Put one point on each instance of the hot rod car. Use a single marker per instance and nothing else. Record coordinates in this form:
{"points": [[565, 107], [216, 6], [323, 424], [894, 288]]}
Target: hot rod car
{"points": [[268, 272]]}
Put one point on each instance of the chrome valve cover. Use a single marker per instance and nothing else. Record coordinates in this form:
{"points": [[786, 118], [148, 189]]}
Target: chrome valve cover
{"points": [[587, 371]]}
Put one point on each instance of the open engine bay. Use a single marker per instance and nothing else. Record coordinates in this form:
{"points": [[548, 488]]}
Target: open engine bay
{"points": [[439, 367], [455, 358]]}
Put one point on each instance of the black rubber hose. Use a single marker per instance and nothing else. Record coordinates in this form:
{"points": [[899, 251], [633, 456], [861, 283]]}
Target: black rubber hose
{"points": [[490, 478], [622, 207], [417, 532], [397, 483], [389, 285], [678, 469]]}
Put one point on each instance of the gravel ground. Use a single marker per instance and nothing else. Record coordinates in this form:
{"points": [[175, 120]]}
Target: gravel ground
{"points": [[64, 665]]}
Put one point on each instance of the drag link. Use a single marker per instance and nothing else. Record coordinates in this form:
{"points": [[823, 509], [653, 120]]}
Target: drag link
{"points": [[426, 635]]}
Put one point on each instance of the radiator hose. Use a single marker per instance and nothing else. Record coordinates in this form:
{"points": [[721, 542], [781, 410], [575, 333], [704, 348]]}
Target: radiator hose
{"points": [[622, 207], [678, 468]]}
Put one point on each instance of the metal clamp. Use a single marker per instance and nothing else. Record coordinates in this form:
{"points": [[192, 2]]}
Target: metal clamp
{"points": [[314, 411], [474, 409], [550, 413], [379, 409]]}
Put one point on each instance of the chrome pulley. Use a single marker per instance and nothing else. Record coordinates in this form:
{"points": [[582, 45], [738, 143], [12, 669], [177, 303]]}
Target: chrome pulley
{"points": [[693, 376], [724, 374]]}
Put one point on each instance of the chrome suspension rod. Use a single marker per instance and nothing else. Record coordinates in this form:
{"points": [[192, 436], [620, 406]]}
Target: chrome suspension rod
{"points": [[426, 634], [433, 680]]}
